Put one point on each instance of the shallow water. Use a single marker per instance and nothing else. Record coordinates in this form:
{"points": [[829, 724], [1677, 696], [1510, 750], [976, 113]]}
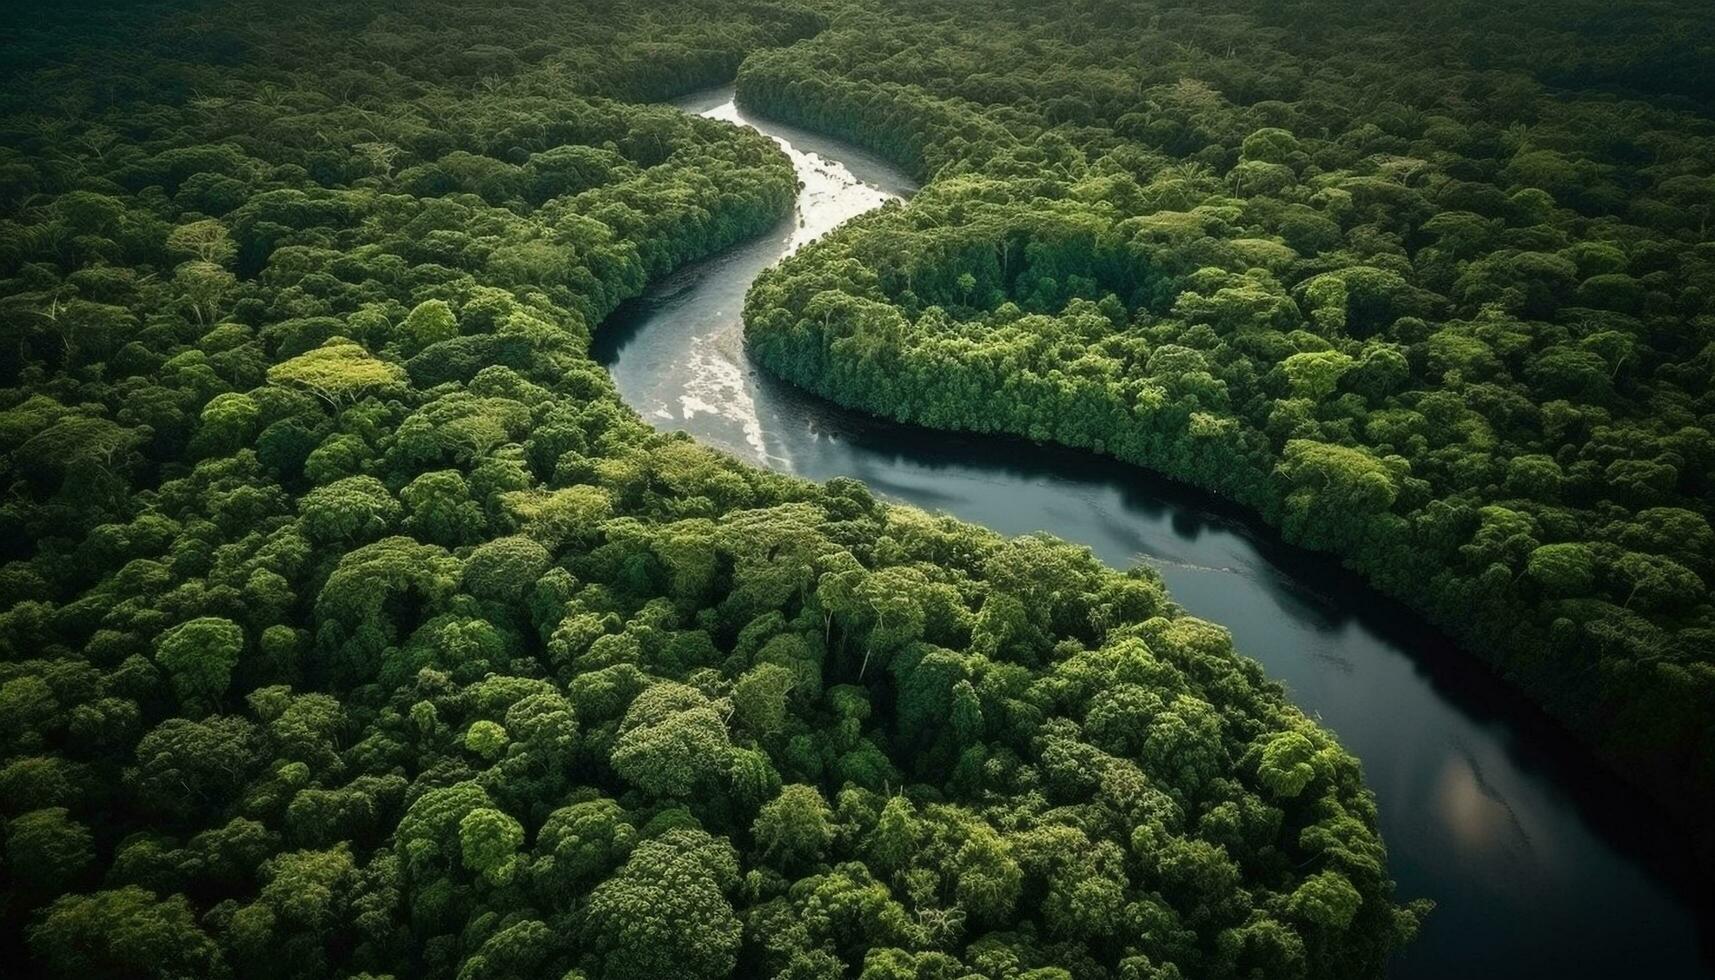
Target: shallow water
{"points": [[1540, 864]]}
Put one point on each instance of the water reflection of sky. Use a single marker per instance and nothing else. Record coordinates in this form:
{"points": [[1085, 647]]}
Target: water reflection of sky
{"points": [[1539, 866], [707, 385]]}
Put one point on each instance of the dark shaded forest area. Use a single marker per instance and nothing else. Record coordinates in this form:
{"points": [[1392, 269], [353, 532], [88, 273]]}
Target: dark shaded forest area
{"points": [[353, 626]]}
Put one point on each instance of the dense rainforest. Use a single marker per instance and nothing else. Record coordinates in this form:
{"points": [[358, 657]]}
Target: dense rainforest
{"points": [[1422, 294], [352, 626]]}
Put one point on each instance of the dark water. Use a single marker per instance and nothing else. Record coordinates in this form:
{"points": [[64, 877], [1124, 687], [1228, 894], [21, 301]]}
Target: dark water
{"points": [[1540, 865]]}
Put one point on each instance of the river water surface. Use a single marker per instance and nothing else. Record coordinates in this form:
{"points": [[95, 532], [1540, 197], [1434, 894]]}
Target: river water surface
{"points": [[1540, 865]]}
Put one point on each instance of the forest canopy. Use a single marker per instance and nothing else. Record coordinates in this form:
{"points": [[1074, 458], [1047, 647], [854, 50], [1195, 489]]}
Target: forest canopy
{"points": [[1430, 299], [354, 627]]}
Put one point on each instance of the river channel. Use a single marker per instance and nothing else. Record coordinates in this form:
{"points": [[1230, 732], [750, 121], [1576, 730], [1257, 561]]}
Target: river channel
{"points": [[1541, 865]]}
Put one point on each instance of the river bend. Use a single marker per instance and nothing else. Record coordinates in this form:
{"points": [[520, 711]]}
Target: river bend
{"points": [[1540, 865]]}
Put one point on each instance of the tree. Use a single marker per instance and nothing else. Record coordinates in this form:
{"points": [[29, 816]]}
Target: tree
{"points": [[1333, 489], [440, 509], [581, 843], [339, 372], [1285, 769], [670, 741], [759, 697], [505, 568], [205, 241], [1315, 374], [203, 287], [47, 851], [353, 509], [309, 889], [1566, 569], [77, 441], [518, 950], [1656, 582], [1271, 145], [229, 421], [986, 878], [894, 841], [124, 932], [490, 840], [793, 828], [429, 322], [373, 581], [664, 915], [1325, 899], [184, 766], [429, 835], [486, 739]]}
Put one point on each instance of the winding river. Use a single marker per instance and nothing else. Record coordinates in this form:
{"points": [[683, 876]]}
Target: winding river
{"points": [[1540, 864]]}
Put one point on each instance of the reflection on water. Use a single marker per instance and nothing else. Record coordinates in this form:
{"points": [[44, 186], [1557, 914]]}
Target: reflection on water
{"points": [[702, 382], [1539, 864], [1478, 815]]}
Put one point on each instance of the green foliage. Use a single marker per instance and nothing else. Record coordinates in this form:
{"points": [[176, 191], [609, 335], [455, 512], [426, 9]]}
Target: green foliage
{"points": [[671, 741], [199, 656], [664, 914], [794, 827], [1452, 337], [124, 932], [356, 508], [1566, 569], [354, 626], [46, 850], [1325, 899], [503, 569], [583, 842], [430, 322], [1285, 768], [489, 840], [486, 739], [339, 372]]}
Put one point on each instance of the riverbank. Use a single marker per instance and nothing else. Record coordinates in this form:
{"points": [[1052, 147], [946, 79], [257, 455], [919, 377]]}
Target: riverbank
{"points": [[1533, 858]]}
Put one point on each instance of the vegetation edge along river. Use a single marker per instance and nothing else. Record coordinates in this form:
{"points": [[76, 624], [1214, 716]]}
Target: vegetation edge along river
{"points": [[1489, 809], [1398, 346], [355, 627]]}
